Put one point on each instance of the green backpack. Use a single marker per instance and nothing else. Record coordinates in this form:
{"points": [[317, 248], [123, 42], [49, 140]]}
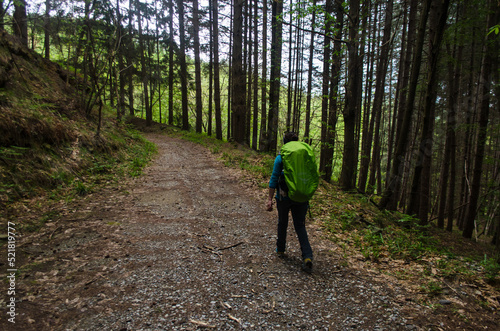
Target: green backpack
{"points": [[300, 169]]}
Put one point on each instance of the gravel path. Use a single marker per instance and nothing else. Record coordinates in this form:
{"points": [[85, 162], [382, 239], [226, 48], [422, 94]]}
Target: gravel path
{"points": [[203, 256], [190, 246]]}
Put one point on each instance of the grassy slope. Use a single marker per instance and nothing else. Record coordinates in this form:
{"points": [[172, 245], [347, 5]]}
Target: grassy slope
{"points": [[48, 149]]}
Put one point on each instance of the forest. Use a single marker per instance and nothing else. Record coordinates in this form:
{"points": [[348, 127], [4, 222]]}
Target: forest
{"points": [[400, 99]]}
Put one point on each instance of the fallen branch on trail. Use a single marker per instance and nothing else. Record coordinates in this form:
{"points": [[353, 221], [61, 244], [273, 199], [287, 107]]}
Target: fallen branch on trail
{"points": [[217, 250], [231, 317], [202, 324], [231, 246]]}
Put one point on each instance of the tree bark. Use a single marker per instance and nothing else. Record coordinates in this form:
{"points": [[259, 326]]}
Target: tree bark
{"points": [[46, 29], [144, 70], [197, 66], [391, 194], [420, 196], [275, 78], [255, 129], [490, 50], [218, 114], [183, 67], [171, 63], [238, 76], [351, 109], [309, 78], [263, 141], [379, 94], [20, 21], [323, 159]]}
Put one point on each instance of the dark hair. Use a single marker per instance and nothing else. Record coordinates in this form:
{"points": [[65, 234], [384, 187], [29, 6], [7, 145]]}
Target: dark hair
{"points": [[290, 136]]}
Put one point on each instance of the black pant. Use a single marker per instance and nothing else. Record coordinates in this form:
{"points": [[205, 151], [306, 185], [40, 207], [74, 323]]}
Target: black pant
{"points": [[299, 212]]}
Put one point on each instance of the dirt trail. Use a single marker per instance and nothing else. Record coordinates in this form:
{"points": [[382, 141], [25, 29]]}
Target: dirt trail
{"points": [[187, 246]]}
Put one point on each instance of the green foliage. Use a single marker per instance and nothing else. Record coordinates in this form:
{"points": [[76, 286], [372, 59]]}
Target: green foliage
{"points": [[33, 225], [81, 188], [491, 268], [141, 154], [432, 288]]}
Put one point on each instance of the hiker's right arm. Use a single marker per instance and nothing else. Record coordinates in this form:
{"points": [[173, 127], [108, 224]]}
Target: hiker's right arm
{"points": [[269, 205]]}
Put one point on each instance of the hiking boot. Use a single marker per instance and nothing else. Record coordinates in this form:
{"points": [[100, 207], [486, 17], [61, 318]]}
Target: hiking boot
{"points": [[280, 254], [307, 265]]}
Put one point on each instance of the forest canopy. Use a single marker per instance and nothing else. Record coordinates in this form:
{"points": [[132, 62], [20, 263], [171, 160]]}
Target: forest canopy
{"points": [[398, 98]]}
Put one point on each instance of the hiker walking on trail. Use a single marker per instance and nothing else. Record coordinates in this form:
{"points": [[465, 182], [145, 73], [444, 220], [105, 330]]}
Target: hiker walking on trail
{"points": [[293, 182]]}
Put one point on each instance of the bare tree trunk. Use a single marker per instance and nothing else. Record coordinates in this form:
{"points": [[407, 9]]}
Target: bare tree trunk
{"points": [[379, 94], [391, 194], [239, 86], [197, 66], [263, 118], [290, 73], [420, 197], [129, 60], [210, 69], [183, 67], [447, 189], [218, 115], [368, 109], [309, 78], [144, 70], [20, 21], [351, 109], [275, 78], [323, 160], [490, 50], [171, 63], [255, 129], [2, 16], [46, 28]]}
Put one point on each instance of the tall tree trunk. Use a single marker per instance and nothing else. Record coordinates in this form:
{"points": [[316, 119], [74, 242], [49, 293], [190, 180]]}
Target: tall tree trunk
{"points": [[171, 63], [409, 33], [470, 114], [422, 176], [275, 78], [218, 114], [379, 94], [255, 129], [238, 75], [183, 67], [447, 189], [20, 21], [391, 194], [309, 77], [120, 77], [490, 53], [333, 107], [197, 66], [2, 16], [263, 141], [129, 59], [323, 159], [46, 29], [248, 68], [230, 80], [351, 109], [368, 109], [210, 70], [144, 70], [290, 73]]}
